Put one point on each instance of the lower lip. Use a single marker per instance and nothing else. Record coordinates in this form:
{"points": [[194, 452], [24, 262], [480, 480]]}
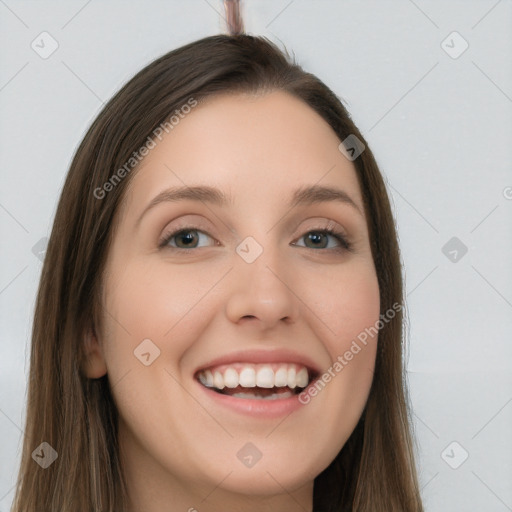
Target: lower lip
{"points": [[260, 408]]}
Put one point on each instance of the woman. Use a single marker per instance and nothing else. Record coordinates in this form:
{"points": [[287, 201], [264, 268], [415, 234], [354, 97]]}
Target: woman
{"points": [[219, 319]]}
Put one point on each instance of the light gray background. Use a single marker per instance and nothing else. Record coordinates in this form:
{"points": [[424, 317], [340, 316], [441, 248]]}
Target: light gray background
{"points": [[441, 130]]}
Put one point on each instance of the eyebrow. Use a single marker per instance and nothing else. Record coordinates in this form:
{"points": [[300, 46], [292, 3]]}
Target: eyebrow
{"points": [[304, 196]]}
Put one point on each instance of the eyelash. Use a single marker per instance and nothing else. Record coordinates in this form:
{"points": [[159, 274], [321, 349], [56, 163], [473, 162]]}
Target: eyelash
{"points": [[345, 245]]}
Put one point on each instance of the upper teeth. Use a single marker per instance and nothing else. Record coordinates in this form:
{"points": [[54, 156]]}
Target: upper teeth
{"points": [[252, 375]]}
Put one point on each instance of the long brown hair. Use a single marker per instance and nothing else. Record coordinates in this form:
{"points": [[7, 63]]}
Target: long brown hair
{"points": [[375, 469]]}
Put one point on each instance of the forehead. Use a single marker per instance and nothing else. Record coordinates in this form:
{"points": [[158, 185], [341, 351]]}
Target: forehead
{"points": [[256, 148]]}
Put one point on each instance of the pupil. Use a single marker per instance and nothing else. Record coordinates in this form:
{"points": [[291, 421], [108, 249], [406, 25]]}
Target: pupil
{"points": [[189, 236], [315, 237]]}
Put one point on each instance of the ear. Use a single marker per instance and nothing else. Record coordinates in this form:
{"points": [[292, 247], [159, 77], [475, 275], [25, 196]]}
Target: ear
{"points": [[94, 366]]}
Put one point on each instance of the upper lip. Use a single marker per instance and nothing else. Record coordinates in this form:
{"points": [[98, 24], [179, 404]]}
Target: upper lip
{"points": [[261, 357]]}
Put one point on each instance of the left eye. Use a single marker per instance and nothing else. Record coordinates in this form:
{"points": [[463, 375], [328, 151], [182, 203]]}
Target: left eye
{"points": [[319, 238]]}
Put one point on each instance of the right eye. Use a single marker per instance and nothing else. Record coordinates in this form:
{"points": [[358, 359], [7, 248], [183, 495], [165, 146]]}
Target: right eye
{"points": [[184, 239]]}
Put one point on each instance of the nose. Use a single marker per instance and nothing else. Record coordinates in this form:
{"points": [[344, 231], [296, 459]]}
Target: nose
{"points": [[262, 294]]}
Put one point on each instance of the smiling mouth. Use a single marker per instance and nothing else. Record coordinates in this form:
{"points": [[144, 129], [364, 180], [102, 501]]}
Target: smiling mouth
{"points": [[276, 381]]}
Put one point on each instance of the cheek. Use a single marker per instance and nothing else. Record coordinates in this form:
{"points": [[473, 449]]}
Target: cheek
{"points": [[162, 302], [346, 300], [352, 310], [152, 300]]}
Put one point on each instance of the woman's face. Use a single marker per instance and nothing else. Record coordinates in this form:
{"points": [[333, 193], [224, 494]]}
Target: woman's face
{"points": [[251, 297]]}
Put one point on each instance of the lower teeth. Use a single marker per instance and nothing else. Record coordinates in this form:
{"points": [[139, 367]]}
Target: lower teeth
{"points": [[273, 396]]}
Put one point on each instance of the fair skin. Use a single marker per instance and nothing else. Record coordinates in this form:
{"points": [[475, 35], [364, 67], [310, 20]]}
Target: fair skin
{"points": [[298, 301]]}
